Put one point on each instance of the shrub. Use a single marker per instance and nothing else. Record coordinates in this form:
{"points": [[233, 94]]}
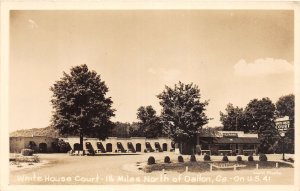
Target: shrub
{"points": [[151, 160], [290, 160], [233, 154], [167, 159], [225, 158], [245, 154], [27, 152], [263, 157], [206, 157], [250, 158], [145, 150], [239, 158], [193, 158], [180, 159]]}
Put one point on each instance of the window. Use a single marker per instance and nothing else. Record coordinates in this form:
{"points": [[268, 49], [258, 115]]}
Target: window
{"points": [[248, 146], [224, 147], [205, 147]]}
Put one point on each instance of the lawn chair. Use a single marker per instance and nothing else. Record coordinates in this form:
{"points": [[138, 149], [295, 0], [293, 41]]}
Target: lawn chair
{"points": [[149, 147], [100, 148], [120, 147], [130, 147], [157, 147]]}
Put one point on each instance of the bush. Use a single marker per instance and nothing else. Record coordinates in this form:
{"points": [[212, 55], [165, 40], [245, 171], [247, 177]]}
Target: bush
{"points": [[225, 158], [233, 154], [263, 157], [245, 154], [239, 158], [206, 157], [193, 158], [27, 152], [167, 159], [180, 159], [250, 158], [151, 160], [290, 160], [145, 150]]}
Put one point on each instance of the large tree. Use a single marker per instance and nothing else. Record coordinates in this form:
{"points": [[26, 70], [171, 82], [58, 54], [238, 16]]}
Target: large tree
{"points": [[285, 106], [233, 119], [149, 123], [260, 115], [80, 104], [183, 113]]}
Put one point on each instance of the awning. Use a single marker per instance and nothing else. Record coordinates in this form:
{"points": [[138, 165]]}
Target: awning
{"points": [[236, 140], [228, 140]]}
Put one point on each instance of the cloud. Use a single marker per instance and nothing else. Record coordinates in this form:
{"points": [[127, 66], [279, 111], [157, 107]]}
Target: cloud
{"points": [[265, 66], [32, 24]]}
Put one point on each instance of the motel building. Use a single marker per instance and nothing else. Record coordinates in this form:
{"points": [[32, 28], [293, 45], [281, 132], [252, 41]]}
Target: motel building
{"points": [[228, 142], [220, 143]]}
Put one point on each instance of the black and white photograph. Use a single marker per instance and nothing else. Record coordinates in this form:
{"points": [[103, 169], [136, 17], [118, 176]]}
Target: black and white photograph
{"points": [[151, 97]]}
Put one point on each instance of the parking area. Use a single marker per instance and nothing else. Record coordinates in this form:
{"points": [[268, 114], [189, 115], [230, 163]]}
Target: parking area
{"points": [[124, 169]]}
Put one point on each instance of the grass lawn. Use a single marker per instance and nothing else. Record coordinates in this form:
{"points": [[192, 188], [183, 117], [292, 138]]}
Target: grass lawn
{"points": [[203, 166]]}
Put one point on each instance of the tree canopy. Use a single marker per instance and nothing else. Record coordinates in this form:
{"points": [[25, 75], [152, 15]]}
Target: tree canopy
{"points": [[233, 119], [183, 113], [149, 123], [80, 104], [259, 117], [285, 106]]}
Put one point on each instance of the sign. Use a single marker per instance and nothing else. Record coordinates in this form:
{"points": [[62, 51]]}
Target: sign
{"points": [[230, 135], [282, 124]]}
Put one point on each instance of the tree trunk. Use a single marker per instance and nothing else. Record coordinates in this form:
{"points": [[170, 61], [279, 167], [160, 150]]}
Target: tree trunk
{"points": [[180, 147], [81, 140]]}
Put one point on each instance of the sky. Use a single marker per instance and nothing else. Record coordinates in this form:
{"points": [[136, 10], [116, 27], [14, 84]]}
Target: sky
{"points": [[232, 56]]}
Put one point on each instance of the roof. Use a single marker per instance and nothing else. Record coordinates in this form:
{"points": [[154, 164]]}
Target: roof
{"points": [[227, 140]]}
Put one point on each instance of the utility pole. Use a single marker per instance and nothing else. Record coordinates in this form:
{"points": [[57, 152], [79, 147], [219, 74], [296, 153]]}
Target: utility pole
{"points": [[236, 122], [282, 135]]}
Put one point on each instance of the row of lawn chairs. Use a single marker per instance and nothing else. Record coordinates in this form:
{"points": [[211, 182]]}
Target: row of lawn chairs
{"points": [[89, 149]]}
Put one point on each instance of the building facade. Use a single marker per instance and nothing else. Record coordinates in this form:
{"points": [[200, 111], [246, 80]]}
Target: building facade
{"points": [[229, 143], [40, 144], [220, 143]]}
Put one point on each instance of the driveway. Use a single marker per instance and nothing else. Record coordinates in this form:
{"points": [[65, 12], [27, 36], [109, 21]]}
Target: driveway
{"points": [[123, 169]]}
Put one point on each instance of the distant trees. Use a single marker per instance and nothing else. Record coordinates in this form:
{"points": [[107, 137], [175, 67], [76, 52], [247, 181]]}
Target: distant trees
{"points": [[233, 119], [259, 117], [149, 123], [80, 104], [120, 129], [183, 113], [285, 106]]}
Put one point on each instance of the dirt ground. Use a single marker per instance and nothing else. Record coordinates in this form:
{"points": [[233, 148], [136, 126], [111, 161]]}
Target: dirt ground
{"points": [[124, 169]]}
